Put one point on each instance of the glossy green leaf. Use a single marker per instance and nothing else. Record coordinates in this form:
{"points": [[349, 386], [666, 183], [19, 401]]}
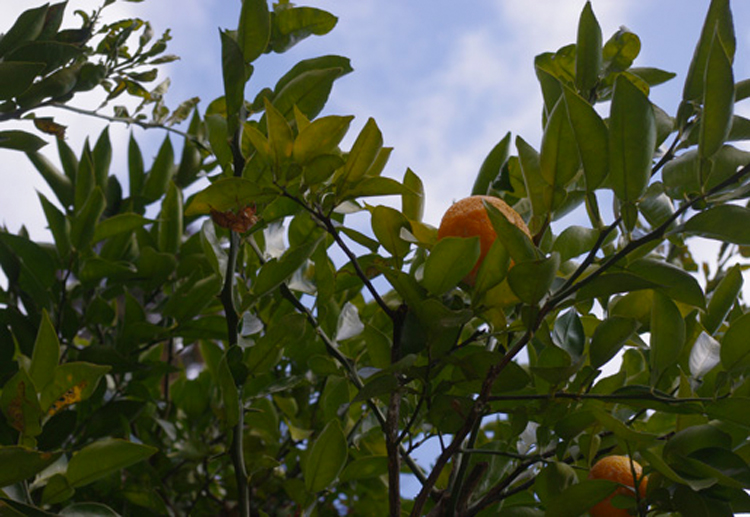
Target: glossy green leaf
{"points": [[722, 299], [37, 267], [412, 201], [577, 498], [58, 224], [280, 137], [85, 180], [308, 85], [192, 296], [16, 77], [532, 279], [326, 459], [493, 270], [735, 347], [254, 29], [368, 467], [386, 225], [727, 223], [718, 21], [718, 100], [568, 334], [27, 27], [491, 167], [20, 141], [120, 223], [321, 137], [515, 240], [103, 458], [218, 137], [374, 186], [136, 169], [20, 463], [268, 349], [20, 404], [622, 431], [588, 51], [234, 74], [450, 260], [363, 153], [677, 284], [632, 138], [667, 335], [229, 393], [612, 283], [609, 337], [170, 227], [532, 176], [101, 155], [85, 221], [553, 479], [46, 353], [592, 138], [574, 241], [293, 24], [652, 76], [57, 490], [558, 158], [277, 271], [157, 179], [694, 438], [57, 181], [321, 168]]}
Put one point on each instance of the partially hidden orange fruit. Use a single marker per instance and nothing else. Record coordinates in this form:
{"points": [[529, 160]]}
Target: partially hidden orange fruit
{"points": [[617, 468], [468, 218]]}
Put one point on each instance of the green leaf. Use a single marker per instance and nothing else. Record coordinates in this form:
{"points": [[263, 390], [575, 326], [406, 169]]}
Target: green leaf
{"points": [[16, 77], [574, 241], [136, 169], [308, 84], [723, 299], [622, 431], [59, 225], [515, 240], [102, 157], [718, 22], [592, 138], [363, 153], [46, 353], [612, 283], [493, 270], [57, 181], [85, 180], [20, 141], [234, 74], [735, 347], [20, 463], [218, 137], [577, 498], [558, 159], [227, 194], [157, 179], [321, 137], [609, 337], [103, 458], [326, 459], [450, 260], [27, 27], [88, 510], [667, 335], [71, 383], [718, 100], [280, 137], [588, 51], [491, 167], [254, 29], [192, 296], [728, 223], [85, 221], [412, 201], [277, 271], [293, 24], [553, 479], [170, 227], [369, 467], [373, 186], [37, 273], [386, 225], [117, 224], [732, 409], [532, 177], [694, 438], [652, 76], [57, 490], [568, 334], [632, 138], [532, 279], [677, 284]]}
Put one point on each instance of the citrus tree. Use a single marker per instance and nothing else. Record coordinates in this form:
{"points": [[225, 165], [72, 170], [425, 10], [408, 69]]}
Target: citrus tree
{"points": [[250, 349]]}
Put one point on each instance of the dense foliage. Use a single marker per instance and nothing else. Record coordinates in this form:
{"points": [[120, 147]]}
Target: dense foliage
{"points": [[248, 350]]}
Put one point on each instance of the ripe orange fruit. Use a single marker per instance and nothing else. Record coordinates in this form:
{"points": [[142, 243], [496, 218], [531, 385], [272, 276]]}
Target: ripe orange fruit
{"points": [[468, 218], [617, 468]]}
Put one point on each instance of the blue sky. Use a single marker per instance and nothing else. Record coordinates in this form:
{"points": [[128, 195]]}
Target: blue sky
{"points": [[444, 82]]}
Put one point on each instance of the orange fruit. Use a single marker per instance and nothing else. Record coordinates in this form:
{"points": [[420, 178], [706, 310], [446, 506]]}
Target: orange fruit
{"points": [[468, 218], [617, 468]]}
